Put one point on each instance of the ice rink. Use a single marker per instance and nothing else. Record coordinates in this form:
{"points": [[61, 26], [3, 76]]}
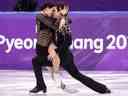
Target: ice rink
{"points": [[19, 82]]}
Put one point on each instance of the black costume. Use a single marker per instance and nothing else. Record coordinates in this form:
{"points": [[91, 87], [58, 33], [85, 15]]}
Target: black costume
{"points": [[45, 28], [63, 40], [67, 62]]}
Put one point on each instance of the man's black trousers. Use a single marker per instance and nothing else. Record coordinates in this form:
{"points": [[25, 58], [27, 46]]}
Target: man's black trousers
{"points": [[67, 63]]}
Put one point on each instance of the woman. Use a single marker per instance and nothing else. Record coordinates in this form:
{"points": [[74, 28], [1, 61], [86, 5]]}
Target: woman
{"points": [[62, 11], [63, 41]]}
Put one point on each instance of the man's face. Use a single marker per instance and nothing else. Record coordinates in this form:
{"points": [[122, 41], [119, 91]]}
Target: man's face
{"points": [[56, 13], [48, 12]]}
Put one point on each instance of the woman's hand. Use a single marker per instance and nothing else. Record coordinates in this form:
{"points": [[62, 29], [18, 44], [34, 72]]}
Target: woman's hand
{"points": [[54, 58], [62, 23]]}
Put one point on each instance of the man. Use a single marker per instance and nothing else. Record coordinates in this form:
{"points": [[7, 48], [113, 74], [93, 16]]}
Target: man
{"points": [[45, 28], [64, 40]]}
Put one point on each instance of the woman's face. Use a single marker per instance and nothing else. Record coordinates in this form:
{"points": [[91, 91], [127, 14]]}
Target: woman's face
{"points": [[60, 13], [64, 11]]}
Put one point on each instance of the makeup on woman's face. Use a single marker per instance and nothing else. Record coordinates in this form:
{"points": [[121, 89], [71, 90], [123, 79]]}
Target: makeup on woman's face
{"points": [[64, 11]]}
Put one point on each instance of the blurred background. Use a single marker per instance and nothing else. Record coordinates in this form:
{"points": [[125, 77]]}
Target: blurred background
{"points": [[110, 19], [75, 5]]}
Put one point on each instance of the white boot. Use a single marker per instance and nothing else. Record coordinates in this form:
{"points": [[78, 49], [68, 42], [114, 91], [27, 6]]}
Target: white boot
{"points": [[57, 78]]}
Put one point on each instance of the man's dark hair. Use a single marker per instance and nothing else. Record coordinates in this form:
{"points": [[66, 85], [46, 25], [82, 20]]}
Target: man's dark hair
{"points": [[47, 5]]}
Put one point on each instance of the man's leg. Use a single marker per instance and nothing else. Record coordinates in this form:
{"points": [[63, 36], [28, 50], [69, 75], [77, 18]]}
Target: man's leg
{"points": [[37, 68], [68, 64], [37, 63]]}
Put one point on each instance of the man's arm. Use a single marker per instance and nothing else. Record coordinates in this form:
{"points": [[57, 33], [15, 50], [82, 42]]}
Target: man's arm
{"points": [[47, 21], [37, 26]]}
